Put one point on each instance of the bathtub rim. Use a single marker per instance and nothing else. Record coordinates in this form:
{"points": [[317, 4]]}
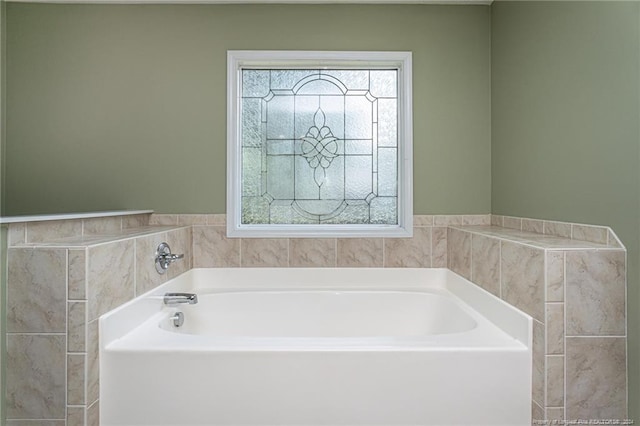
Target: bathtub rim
{"points": [[120, 322]]}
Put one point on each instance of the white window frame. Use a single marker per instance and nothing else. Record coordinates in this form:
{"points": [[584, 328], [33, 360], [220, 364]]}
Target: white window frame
{"points": [[239, 59]]}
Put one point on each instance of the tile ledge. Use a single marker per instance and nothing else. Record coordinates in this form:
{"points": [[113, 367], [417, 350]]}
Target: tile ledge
{"points": [[95, 240], [70, 216], [541, 241]]}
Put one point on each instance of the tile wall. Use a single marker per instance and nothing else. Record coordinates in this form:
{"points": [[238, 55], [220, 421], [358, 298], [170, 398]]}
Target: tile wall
{"points": [[62, 275], [426, 249], [571, 279]]}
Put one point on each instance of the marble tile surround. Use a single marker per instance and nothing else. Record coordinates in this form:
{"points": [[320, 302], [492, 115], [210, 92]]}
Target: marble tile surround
{"points": [[203, 240], [426, 249], [58, 286], [571, 279]]}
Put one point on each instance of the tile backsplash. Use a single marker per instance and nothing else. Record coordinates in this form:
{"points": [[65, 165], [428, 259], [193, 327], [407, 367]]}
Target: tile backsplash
{"points": [[64, 274]]}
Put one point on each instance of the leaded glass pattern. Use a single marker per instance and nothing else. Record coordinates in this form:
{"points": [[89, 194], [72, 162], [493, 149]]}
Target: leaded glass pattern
{"points": [[319, 146]]}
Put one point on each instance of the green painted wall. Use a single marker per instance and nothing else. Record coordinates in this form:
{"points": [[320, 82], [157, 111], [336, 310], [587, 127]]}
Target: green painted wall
{"points": [[565, 124], [114, 106]]}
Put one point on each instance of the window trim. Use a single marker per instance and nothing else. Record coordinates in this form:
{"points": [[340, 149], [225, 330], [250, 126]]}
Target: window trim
{"points": [[237, 59]]}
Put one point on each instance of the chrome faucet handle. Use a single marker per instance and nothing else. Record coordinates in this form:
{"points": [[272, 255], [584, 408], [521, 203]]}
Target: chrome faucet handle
{"points": [[164, 257]]}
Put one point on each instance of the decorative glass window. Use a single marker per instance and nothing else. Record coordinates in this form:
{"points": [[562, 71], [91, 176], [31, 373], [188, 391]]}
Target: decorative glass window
{"points": [[319, 144]]}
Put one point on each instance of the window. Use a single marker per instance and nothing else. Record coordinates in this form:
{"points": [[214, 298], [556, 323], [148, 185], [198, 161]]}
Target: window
{"points": [[319, 144]]}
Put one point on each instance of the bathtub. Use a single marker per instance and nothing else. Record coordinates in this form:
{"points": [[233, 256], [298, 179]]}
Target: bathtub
{"points": [[317, 347]]}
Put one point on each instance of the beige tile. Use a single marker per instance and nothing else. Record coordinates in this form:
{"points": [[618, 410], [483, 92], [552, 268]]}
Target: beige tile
{"points": [[538, 376], [110, 276], [212, 248], [522, 271], [181, 243], [102, 225], [93, 363], [75, 378], [414, 252], [476, 219], [512, 222], [555, 276], [596, 378], [38, 232], [217, 219], [439, 249], [594, 234], [14, 422], [422, 220], [264, 252], [459, 252], [537, 414], [312, 252], [35, 376], [77, 275], [147, 277], [485, 264], [533, 225], [76, 329], [497, 220], [555, 413], [555, 380], [36, 293], [595, 293], [612, 240], [163, 219], [555, 328], [446, 220], [135, 221], [17, 234], [192, 219], [559, 229], [75, 416], [93, 414], [360, 252]]}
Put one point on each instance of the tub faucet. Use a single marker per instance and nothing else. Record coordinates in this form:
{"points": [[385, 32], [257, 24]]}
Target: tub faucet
{"points": [[171, 299]]}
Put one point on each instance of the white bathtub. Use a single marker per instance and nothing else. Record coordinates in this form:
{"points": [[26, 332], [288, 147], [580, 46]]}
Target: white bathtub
{"points": [[317, 347]]}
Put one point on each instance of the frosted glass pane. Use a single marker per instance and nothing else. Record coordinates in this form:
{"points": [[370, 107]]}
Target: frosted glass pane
{"points": [[355, 212], [305, 185], [251, 125], [255, 83], [333, 109], [280, 118], [333, 186], [387, 172], [358, 147], [358, 177], [255, 210], [319, 87], [281, 212], [286, 79], [319, 209], [305, 109], [352, 79], [279, 172], [387, 122], [384, 83], [384, 210], [280, 147], [251, 164], [313, 154], [358, 117]]}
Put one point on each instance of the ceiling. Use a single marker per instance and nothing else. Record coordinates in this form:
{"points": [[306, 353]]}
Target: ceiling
{"points": [[450, 2]]}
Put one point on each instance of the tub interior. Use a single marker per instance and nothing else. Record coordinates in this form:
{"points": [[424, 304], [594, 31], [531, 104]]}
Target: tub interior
{"points": [[323, 314]]}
